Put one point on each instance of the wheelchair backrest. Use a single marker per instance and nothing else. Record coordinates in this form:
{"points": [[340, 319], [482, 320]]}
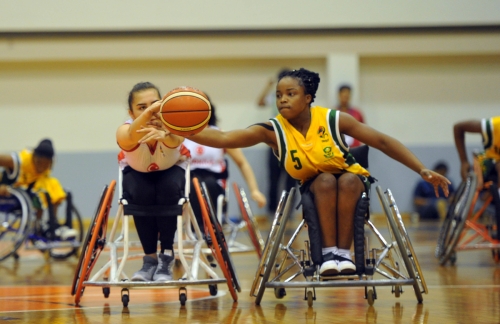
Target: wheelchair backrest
{"points": [[360, 154]]}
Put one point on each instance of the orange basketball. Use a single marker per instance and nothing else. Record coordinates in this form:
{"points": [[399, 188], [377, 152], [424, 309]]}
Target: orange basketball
{"points": [[185, 111]]}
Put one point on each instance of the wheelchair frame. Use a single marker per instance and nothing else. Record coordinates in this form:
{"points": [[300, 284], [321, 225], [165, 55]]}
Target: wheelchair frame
{"points": [[395, 260], [188, 247], [26, 233], [247, 221], [462, 228]]}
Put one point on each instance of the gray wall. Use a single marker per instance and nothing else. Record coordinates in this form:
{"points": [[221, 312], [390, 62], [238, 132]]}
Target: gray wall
{"points": [[87, 174]]}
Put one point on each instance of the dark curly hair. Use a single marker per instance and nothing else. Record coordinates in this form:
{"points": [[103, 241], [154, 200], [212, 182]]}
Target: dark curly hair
{"points": [[307, 79]]}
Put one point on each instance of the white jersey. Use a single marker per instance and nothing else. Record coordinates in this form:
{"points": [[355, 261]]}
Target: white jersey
{"points": [[160, 157], [206, 157]]}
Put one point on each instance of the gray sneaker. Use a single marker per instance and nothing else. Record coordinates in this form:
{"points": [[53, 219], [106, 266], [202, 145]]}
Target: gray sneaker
{"points": [[164, 269], [149, 267]]}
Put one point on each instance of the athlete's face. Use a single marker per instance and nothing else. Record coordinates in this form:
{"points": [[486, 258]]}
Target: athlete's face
{"points": [[41, 163], [142, 100], [290, 98]]}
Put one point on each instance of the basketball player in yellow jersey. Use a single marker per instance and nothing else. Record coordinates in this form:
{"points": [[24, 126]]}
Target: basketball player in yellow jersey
{"points": [[30, 169], [489, 128], [328, 172]]}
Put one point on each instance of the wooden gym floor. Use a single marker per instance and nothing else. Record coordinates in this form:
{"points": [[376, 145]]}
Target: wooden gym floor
{"points": [[33, 290]]}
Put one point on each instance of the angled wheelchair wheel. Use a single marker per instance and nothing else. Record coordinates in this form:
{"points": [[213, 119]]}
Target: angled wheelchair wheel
{"points": [[407, 246], [246, 214], [218, 243], [402, 245], [266, 251], [16, 217], [454, 222], [67, 247], [272, 246], [94, 242]]}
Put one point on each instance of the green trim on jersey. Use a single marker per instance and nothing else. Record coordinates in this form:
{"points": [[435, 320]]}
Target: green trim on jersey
{"points": [[333, 120], [488, 135], [281, 141]]}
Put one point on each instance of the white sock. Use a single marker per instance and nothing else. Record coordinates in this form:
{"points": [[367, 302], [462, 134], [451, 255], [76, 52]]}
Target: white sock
{"points": [[332, 249], [346, 253], [168, 252]]}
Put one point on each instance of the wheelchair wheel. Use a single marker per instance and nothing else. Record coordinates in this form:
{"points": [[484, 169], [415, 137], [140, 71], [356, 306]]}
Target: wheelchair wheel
{"points": [[267, 246], [407, 246], [395, 234], [273, 244], [456, 216], [94, 242], [247, 216], [16, 216], [218, 243], [73, 220]]}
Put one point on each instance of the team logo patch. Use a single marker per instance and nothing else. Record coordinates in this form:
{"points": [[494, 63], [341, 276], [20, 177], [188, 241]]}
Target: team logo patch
{"points": [[328, 152], [153, 167], [322, 132]]}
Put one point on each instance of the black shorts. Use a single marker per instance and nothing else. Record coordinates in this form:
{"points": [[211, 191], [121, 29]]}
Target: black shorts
{"points": [[164, 187]]}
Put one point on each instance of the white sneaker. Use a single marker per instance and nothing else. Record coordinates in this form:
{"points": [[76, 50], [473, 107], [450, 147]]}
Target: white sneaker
{"points": [[65, 233], [345, 265], [330, 265]]}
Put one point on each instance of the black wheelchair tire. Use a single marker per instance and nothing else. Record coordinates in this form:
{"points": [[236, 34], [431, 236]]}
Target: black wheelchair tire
{"points": [[220, 238], [274, 245], [402, 248], [455, 219], [26, 222]]}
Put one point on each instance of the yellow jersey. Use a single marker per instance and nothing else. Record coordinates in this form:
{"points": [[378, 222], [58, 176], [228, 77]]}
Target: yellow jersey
{"points": [[490, 128], [24, 175], [322, 150]]}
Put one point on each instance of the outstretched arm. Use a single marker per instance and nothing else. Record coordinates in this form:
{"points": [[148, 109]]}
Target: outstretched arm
{"points": [[459, 130], [142, 129], [250, 136], [392, 148], [246, 170], [6, 161]]}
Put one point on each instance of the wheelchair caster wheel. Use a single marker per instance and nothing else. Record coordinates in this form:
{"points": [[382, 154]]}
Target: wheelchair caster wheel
{"points": [[370, 297], [182, 296], [182, 299], [125, 300], [106, 291], [279, 293], [453, 258], [397, 290], [213, 290], [125, 297], [310, 298]]}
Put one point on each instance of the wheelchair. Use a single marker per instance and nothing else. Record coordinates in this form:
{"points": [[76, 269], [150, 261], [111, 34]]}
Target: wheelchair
{"points": [[188, 248], [469, 222], [21, 228], [392, 262], [232, 228]]}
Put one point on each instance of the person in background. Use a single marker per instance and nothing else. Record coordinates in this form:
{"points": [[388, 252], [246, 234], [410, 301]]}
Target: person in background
{"points": [[30, 169], [427, 205], [344, 105], [279, 179]]}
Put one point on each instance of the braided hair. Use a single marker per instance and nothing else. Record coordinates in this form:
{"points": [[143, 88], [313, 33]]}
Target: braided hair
{"points": [[307, 79]]}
